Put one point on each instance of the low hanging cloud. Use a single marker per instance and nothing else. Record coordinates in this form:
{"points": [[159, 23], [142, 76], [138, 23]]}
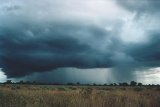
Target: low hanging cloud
{"points": [[143, 6], [46, 35], [35, 50], [148, 53]]}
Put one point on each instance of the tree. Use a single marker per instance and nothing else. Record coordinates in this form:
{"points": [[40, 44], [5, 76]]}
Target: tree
{"points": [[34, 82], [78, 83], [133, 83], [9, 82], [140, 84], [114, 84], [28, 82], [111, 84], [105, 84], [123, 84], [21, 82], [94, 84], [70, 83]]}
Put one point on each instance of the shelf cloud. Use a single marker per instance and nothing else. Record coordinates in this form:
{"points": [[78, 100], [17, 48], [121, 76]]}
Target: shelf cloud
{"points": [[43, 36]]}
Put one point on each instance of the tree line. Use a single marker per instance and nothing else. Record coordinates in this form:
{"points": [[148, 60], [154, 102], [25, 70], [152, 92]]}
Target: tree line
{"points": [[132, 83]]}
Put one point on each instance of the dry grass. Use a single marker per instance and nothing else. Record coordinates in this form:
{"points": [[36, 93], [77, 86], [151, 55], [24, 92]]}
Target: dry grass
{"points": [[61, 96]]}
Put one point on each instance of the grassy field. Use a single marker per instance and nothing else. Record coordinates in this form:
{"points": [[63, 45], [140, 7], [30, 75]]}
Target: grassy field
{"points": [[78, 96]]}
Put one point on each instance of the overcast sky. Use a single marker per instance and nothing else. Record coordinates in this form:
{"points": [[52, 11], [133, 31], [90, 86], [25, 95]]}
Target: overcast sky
{"points": [[80, 40]]}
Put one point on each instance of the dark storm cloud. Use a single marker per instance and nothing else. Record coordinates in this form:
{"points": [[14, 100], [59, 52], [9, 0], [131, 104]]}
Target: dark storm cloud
{"points": [[47, 35], [136, 57], [44, 49], [67, 75], [147, 53]]}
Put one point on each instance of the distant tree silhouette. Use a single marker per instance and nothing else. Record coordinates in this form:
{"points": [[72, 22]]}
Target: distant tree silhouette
{"points": [[78, 83], [94, 84], [115, 84], [120, 84], [153, 84], [70, 83], [87, 84], [55, 83], [133, 83], [9, 82], [105, 84], [123, 84], [34, 82], [111, 84], [21, 82], [140, 84], [28, 82]]}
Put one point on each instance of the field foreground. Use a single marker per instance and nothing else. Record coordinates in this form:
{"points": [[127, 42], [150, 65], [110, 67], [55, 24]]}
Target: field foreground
{"points": [[78, 96]]}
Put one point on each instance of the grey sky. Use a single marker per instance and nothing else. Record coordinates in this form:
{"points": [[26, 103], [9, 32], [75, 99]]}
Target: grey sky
{"points": [[42, 36]]}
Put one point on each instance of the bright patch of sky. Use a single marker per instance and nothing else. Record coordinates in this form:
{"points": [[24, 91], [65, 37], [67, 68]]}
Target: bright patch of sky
{"points": [[3, 77]]}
